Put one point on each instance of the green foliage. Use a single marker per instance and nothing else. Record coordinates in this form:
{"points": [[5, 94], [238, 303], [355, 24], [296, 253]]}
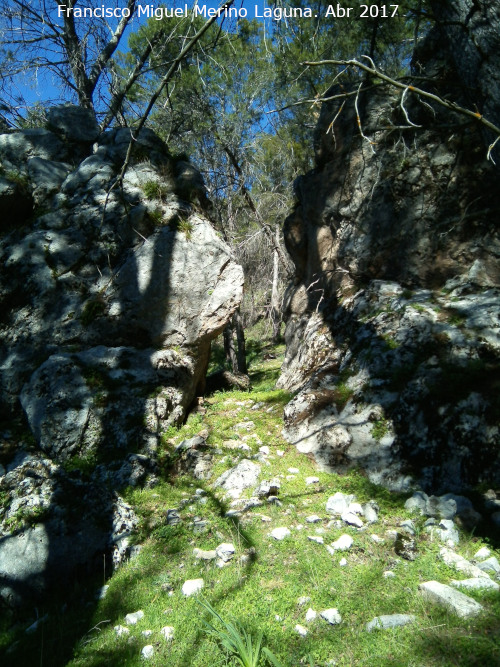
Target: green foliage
{"points": [[154, 189], [92, 309], [380, 428], [238, 643]]}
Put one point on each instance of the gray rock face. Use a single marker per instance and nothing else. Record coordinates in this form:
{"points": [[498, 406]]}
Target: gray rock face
{"points": [[456, 602], [74, 123], [110, 299], [395, 296]]}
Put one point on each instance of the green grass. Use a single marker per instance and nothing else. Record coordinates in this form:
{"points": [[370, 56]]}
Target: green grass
{"points": [[257, 598]]}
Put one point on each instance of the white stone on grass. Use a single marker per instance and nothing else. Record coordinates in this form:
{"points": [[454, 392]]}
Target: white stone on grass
{"points": [[167, 632], [483, 553], [146, 633], [204, 555], [343, 562], [121, 630], [239, 478], [301, 630], [338, 503], [310, 615], [460, 564], [344, 543], [377, 539], [332, 616], [133, 618], [316, 538], [475, 584], [445, 596], [388, 574], [148, 652], [293, 471], [387, 622], [280, 452], [490, 565], [225, 552], [355, 508], [314, 518], [352, 519], [280, 533], [303, 600], [312, 480], [192, 586]]}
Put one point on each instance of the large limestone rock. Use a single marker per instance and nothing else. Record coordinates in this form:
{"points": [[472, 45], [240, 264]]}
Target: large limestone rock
{"points": [[393, 337], [111, 294]]}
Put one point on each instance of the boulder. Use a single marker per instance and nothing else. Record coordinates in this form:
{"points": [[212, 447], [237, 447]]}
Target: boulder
{"points": [[110, 300]]}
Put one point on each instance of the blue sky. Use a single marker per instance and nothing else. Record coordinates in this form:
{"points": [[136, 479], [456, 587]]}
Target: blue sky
{"points": [[46, 89]]}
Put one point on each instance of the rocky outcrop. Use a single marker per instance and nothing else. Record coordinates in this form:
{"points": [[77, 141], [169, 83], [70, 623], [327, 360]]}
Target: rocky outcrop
{"points": [[393, 334], [111, 293]]}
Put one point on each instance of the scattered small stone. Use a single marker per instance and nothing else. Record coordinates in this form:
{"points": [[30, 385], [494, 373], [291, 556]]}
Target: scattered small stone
{"points": [[408, 526], [167, 632], [319, 531], [146, 633], [293, 471], [264, 450], [352, 519], [311, 615], [389, 574], [278, 618], [301, 630], [173, 517], [377, 539], [204, 555], [192, 586], [224, 553], [315, 538], [121, 630], [147, 652], [314, 518], [343, 562], [355, 508], [370, 511], [244, 426], [135, 617], [458, 603], [477, 583], [274, 500], [280, 533], [389, 621], [332, 616], [338, 503], [280, 452], [303, 600], [483, 553], [257, 406], [312, 480], [344, 543]]}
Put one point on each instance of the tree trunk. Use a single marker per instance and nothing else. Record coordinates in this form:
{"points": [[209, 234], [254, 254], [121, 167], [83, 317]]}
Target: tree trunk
{"points": [[235, 357], [275, 300], [229, 348], [240, 337]]}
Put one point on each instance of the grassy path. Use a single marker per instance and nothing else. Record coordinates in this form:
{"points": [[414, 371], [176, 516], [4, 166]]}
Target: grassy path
{"points": [[262, 584]]}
